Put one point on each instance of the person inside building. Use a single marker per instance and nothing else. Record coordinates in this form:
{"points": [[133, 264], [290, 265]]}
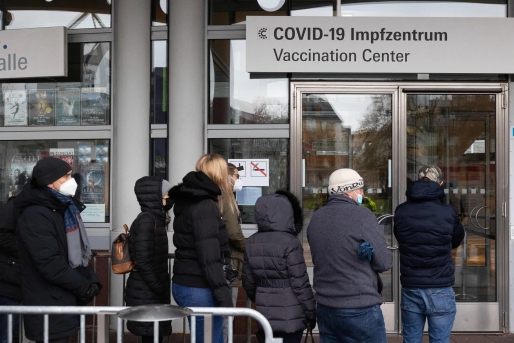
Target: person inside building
{"points": [[427, 229], [347, 287], [274, 273], [54, 250], [201, 240], [236, 238], [10, 281], [149, 282]]}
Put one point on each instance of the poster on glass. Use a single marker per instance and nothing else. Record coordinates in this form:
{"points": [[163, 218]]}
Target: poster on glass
{"points": [[41, 107], [15, 107]]}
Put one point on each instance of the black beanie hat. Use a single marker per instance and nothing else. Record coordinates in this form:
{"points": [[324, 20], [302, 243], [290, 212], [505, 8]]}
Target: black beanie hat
{"points": [[48, 170]]}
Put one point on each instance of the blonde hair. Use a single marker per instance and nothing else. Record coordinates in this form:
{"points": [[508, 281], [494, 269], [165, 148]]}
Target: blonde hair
{"points": [[216, 168]]}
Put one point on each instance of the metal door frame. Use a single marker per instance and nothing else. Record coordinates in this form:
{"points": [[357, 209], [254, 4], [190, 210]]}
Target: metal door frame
{"points": [[399, 92]]}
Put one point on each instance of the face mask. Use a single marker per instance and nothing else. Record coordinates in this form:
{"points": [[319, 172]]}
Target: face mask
{"points": [[168, 206], [68, 188], [238, 185], [359, 198]]}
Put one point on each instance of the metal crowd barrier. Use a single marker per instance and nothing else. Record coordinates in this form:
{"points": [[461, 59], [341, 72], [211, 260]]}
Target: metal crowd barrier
{"points": [[82, 311]]}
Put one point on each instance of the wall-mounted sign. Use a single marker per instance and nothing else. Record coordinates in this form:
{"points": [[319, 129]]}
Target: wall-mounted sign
{"points": [[38, 52], [379, 45], [254, 172]]}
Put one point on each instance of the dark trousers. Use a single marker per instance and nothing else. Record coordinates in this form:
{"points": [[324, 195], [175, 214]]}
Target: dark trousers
{"points": [[60, 340], [6, 301]]}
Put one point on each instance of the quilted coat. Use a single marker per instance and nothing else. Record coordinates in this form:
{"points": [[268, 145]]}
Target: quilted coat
{"points": [[274, 272], [427, 230], [200, 237], [148, 246]]}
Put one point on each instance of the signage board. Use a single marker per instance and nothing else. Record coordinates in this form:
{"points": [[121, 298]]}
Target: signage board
{"points": [[41, 52], [253, 172], [379, 45]]}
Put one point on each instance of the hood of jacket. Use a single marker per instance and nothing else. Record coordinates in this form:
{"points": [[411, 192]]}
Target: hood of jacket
{"points": [[422, 190], [195, 186], [274, 212], [148, 191], [33, 196]]}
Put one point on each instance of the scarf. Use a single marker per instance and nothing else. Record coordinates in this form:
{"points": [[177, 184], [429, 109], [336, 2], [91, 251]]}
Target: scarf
{"points": [[79, 251]]}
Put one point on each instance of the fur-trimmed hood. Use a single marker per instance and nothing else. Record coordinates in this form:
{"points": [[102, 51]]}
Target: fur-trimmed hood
{"points": [[279, 212]]}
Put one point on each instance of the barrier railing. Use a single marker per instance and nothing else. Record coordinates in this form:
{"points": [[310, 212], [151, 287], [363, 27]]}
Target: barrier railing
{"points": [[82, 311]]}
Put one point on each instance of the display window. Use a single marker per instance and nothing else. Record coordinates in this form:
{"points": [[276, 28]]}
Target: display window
{"points": [[159, 12], [264, 168], [159, 86], [81, 98], [89, 160], [159, 165]]}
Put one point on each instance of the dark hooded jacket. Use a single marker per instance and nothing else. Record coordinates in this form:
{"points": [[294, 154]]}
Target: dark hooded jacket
{"points": [[427, 230], [10, 281], [200, 236], [149, 283], [274, 272], [47, 277]]}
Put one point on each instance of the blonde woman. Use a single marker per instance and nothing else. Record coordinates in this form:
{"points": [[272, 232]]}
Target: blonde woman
{"points": [[201, 240]]}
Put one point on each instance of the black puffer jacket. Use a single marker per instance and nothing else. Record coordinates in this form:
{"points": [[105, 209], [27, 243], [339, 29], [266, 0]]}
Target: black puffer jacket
{"points": [[200, 236], [274, 272], [427, 230], [47, 277], [10, 280], [148, 245]]}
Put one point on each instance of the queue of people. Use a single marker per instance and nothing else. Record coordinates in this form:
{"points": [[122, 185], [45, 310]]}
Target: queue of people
{"points": [[213, 257]]}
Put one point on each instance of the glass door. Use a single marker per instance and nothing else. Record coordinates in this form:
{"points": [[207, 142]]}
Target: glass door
{"points": [[349, 128], [458, 133], [386, 133]]}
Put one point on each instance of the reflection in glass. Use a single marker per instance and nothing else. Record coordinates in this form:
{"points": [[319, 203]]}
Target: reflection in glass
{"points": [[76, 14], [159, 85], [89, 159], [159, 12], [81, 98], [276, 150], [348, 131], [223, 12], [159, 159], [458, 134], [237, 99]]}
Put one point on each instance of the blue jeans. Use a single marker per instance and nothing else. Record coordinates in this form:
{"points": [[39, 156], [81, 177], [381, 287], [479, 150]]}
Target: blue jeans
{"points": [[6, 301], [345, 325], [199, 297], [437, 305]]}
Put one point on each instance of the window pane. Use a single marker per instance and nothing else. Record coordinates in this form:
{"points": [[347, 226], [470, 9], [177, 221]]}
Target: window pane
{"points": [[89, 159], [276, 151], [426, 9], [159, 12], [237, 99], [81, 98], [224, 12], [159, 90], [160, 157], [76, 14]]}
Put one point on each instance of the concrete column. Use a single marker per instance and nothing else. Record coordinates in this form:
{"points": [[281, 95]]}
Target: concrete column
{"points": [[131, 117], [186, 86]]}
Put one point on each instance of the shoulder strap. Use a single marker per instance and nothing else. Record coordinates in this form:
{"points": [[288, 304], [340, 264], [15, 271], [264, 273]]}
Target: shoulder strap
{"points": [[154, 221]]}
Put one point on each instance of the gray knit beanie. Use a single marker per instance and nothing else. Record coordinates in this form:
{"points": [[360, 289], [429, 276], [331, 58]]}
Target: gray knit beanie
{"points": [[166, 186]]}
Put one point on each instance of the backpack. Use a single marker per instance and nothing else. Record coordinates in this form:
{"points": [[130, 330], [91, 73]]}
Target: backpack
{"points": [[121, 262], [120, 256]]}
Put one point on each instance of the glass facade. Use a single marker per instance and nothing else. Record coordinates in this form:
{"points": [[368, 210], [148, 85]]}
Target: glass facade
{"points": [[159, 12], [89, 160], [81, 98], [159, 90], [76, 14], [235, 98]]}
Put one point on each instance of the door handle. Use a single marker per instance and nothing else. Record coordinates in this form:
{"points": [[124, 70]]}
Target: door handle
{"points": [[384, 216], [471, 216], [476, 218], [392, 247]]}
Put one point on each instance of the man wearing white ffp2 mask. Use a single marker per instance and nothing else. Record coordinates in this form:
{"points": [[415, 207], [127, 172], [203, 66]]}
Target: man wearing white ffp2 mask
{"points": [[52, 238]]}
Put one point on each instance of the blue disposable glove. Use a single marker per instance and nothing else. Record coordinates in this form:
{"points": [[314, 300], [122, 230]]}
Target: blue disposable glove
{"points": [[365, 251]]}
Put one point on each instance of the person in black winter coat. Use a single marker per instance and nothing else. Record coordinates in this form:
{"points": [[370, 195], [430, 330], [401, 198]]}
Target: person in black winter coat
{"points": [[201, 241], [10, 281], [274, 271], [149, 282], [427, 230], [54, 250]]}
